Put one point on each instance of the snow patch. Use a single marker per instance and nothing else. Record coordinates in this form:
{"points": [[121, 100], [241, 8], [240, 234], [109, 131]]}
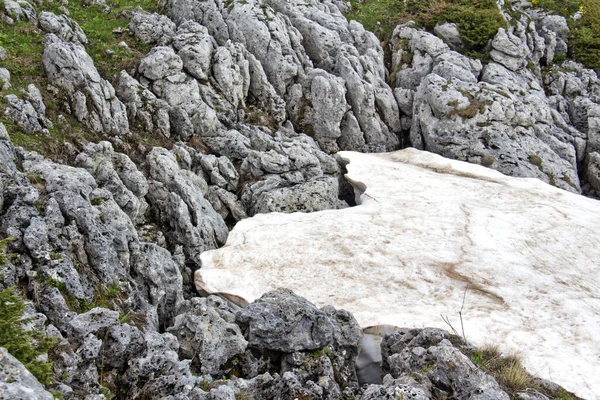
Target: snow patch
{"points": [[425, 229]]}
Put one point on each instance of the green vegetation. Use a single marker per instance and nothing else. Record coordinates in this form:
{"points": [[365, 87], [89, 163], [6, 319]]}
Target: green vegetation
{"points": [[105, 30], [23, 344], [24, 45], [584, 43], [507, 370], [477, 20]]}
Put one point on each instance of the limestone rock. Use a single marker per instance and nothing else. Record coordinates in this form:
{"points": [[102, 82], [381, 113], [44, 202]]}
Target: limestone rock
{"points": [[207, 333], [91, 98], [160, 63], [152, 28], [16, 382], [63, 27], [281, 321]]}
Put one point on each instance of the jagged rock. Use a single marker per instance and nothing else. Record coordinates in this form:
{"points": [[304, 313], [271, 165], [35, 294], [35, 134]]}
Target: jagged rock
{"points": [[347, 336], [159, 370], [120, 344], [63, 27], [403, 387], [195, 47], [317, 107], [160, 63], [22, 113], [4, 79], [152, 28], [220, 171], [162, 279], [116, 173], [273, 193], [310, 374], [282, 321], [177, 198], [462, 111], [143, 107], [207, 334], [226, 203], [91, 98], [449, 32], [593, 171], [96, 321], [3, 134], [231, 73], [3, 53], [279, 35], [508, 50], [16, 382], [448, 370], [19, 10]]}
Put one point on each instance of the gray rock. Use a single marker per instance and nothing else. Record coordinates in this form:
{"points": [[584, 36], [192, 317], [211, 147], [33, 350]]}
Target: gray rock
{"points": [[160, 63], [449, 97], [177, 198], [22, 113], [509, 51], [3, 132], [593, 171], [231, 73], [403, 387], [96, 321], [272, 194], [447, 369], [120, 344], [19, 10], [317, 107], [207, 334], [161, 277], [449, 32], [92, 98], [4, 79], [195, 47], [159, 370], [143, 107], [282, 321], [152, 28], [16, 382], [62, 26]]}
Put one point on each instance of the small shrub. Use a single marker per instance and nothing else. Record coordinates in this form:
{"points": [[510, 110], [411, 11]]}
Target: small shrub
{"points": [[23, 344], [507, 370], [535, 160], [487, 161]]}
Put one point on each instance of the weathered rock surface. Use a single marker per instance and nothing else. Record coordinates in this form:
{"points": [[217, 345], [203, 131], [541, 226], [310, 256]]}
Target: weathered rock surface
{"points": [[498, 116], [16, 382], [281, 322], [90, 98], [63, 27]]}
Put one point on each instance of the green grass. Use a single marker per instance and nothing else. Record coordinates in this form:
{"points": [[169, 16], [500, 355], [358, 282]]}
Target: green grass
{"points": [[478, 20], [99, 28], [23, 344], [584, 43], [24, 45]]}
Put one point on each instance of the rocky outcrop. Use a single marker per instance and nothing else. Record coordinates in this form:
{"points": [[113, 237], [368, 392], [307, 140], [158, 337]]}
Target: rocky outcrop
{"points": [[90, 98], [498, 115], [304, 49], [16, 382], [63, 27]]}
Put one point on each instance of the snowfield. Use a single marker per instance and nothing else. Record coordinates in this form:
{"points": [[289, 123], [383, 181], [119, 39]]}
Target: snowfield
{"points": [[426, 229]]}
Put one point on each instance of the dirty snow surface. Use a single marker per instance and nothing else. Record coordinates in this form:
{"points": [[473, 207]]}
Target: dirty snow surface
{"points": [[427, 228]]}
